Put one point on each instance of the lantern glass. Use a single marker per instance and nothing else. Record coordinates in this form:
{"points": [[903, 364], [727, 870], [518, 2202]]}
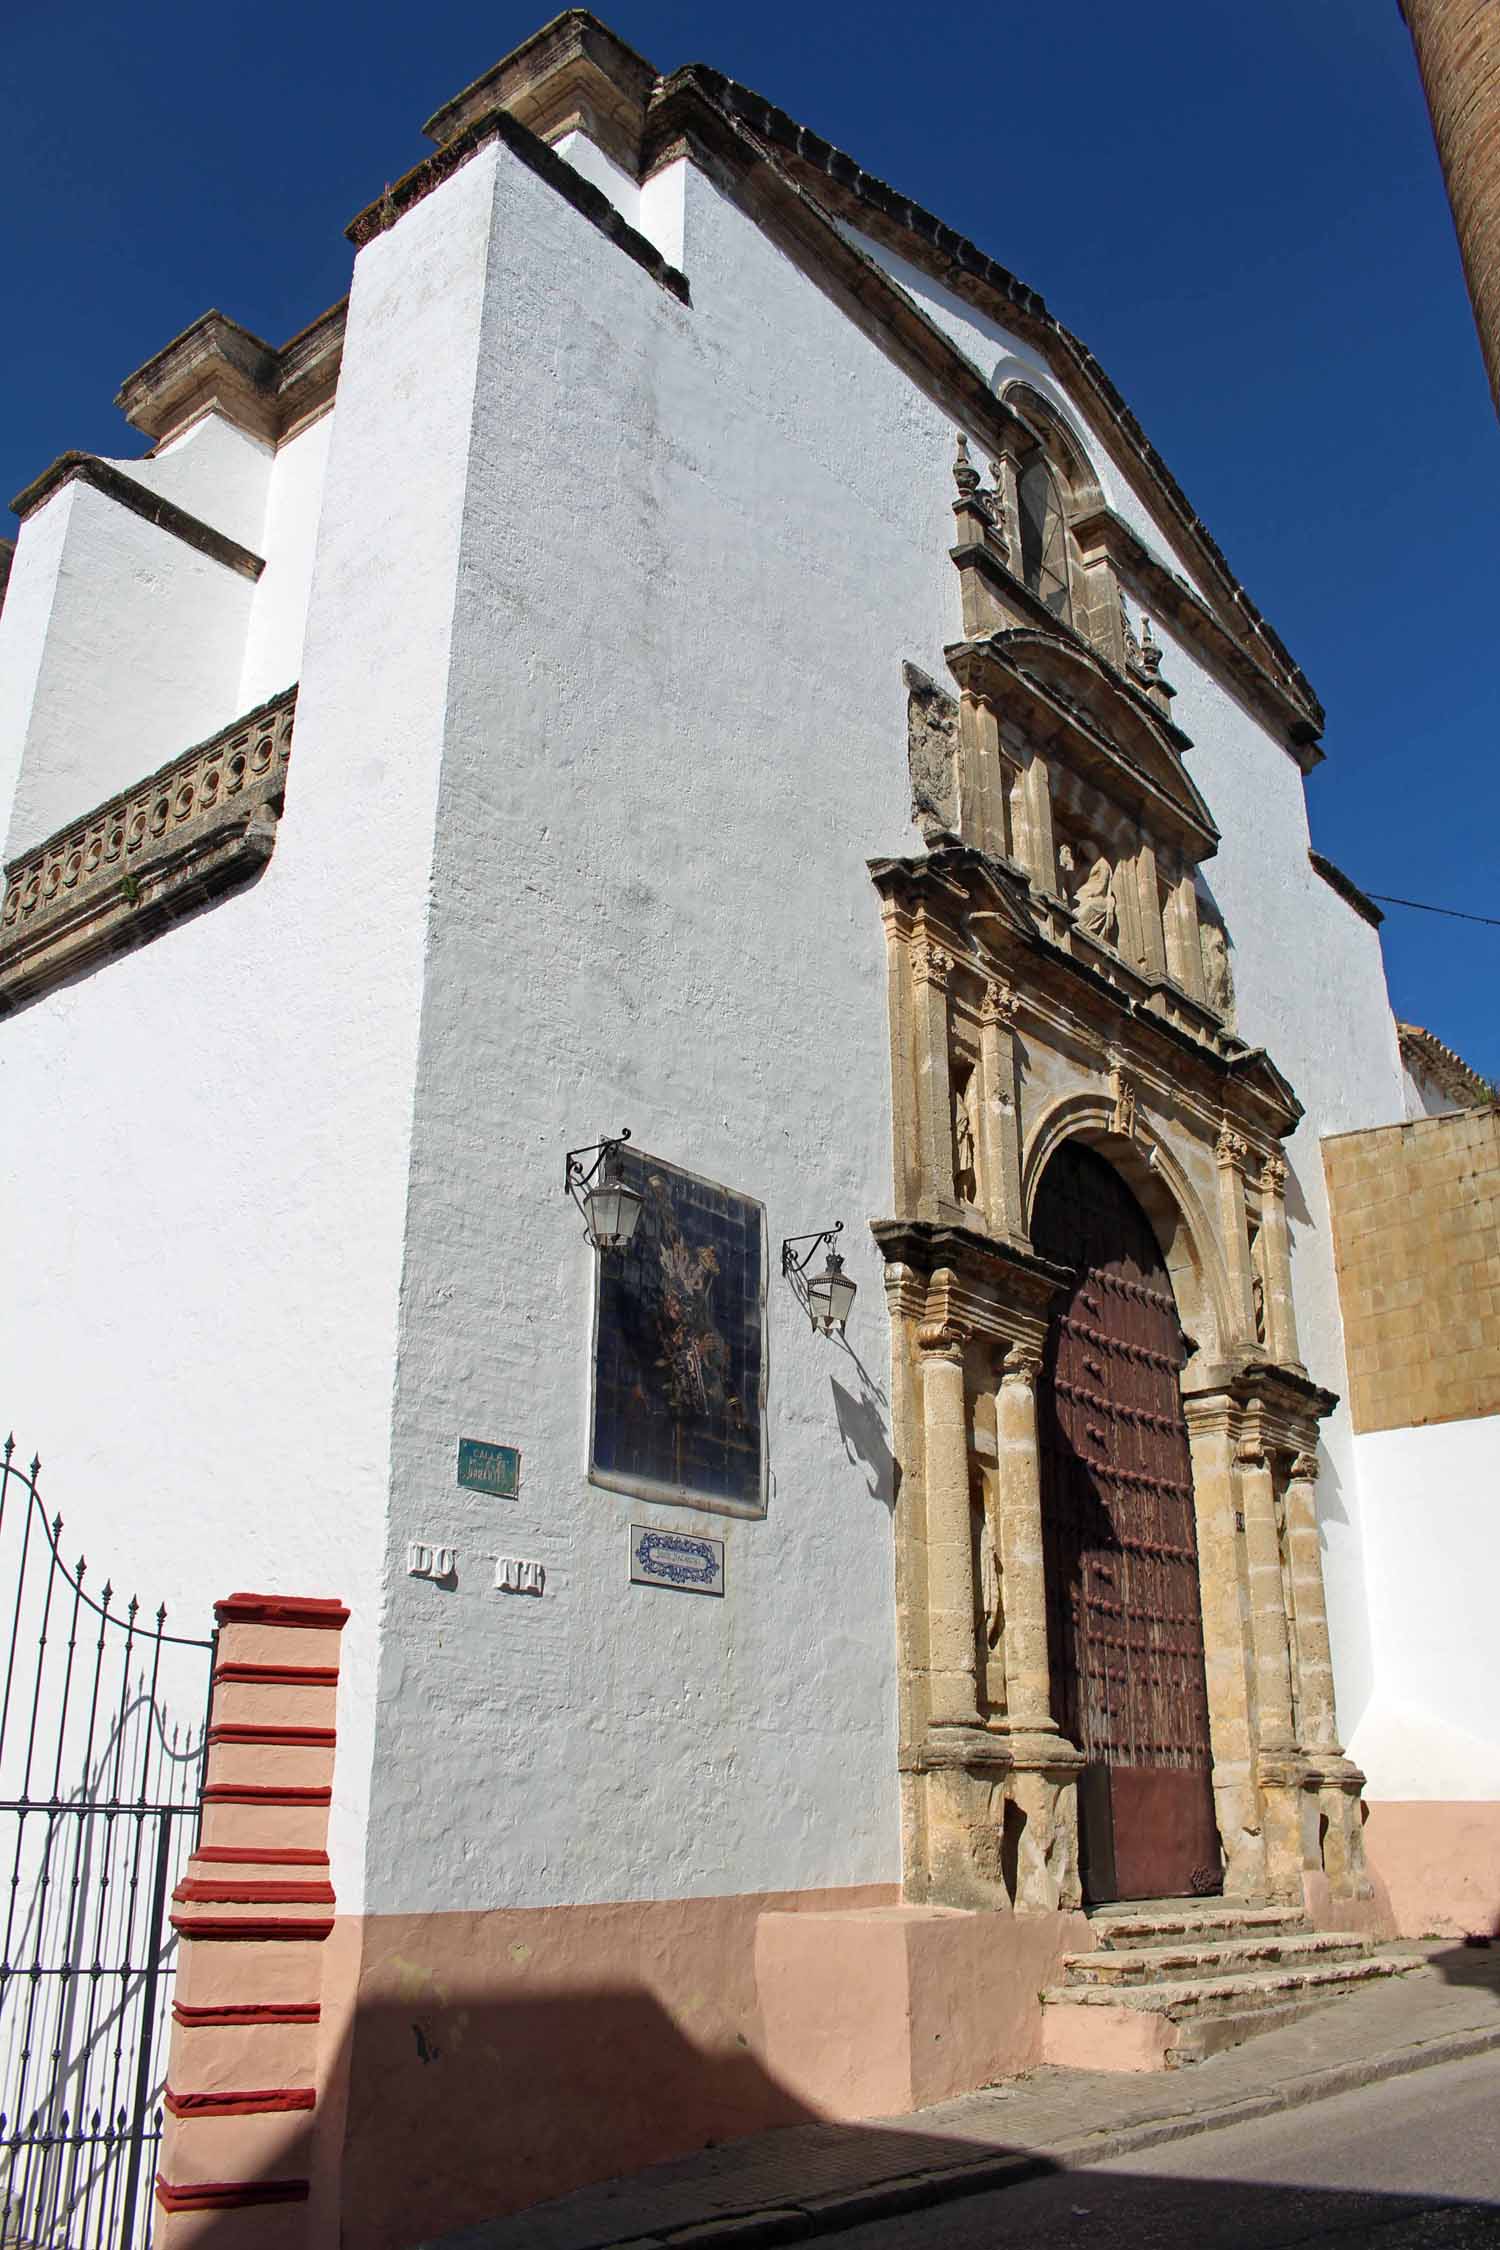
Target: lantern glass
{"points": [[831, 1295], [614, 1209]]}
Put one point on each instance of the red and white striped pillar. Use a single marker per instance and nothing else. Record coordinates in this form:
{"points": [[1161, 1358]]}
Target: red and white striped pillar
{"points": [[252, 1914]]}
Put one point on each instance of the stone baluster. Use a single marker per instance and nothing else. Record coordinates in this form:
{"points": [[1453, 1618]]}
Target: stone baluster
{"points": [[1000, 1114], [952, 1652], [1281, 1315], [1315, 1661], [1028, 1684]]}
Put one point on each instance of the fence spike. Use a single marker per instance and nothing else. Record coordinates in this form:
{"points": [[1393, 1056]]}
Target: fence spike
{"points": [[108, 1594], [10, 1445], [36, 1466], [161, 1617], [132, 1607], [56, 1529]]}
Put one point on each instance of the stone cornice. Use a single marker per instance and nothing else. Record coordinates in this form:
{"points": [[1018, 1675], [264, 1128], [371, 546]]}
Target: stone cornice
{"points": [[127, 492], [1023, 1282], [1422, 1050], [574, 75], [119, 876], [218, 366], [499, 125], [1350, 893]]}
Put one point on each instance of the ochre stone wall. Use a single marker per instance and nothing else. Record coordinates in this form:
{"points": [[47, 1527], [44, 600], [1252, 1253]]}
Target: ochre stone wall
{"points": [[1416, 1229], [1458, 53]]}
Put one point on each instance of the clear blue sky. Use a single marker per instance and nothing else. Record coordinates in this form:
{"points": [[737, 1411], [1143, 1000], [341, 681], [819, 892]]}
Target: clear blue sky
{"points": [[1238, 207]]}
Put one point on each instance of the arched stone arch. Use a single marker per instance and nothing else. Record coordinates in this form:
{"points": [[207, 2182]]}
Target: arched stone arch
{"points": [[1183, 1228], [1063, 443]]}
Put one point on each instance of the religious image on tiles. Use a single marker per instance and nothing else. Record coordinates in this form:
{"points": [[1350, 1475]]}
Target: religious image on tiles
{"points": [[679, 1349]]}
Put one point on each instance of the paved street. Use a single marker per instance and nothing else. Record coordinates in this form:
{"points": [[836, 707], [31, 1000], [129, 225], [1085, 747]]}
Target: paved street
{"points": [[1413, 2164]]}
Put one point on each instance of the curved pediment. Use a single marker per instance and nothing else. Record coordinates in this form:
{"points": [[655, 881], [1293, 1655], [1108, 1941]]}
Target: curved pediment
{"points": [[1107, 730]]}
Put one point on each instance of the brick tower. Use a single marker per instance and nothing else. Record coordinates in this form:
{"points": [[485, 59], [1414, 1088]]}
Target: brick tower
{"points": [[1458, 53]]}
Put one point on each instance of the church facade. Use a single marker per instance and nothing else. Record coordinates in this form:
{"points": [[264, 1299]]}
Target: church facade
{"points": [[692, 668]]}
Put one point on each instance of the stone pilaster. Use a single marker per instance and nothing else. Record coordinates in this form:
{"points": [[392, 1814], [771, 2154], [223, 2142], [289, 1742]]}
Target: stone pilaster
{"points": [[1184, 944], [1276, 1255], [1038, 848], [1277, 1764], [1000, 1112], [1153, 951], [952, 1653], [1314, 1658], [1212, 1419], [931, 970], [1028, 1686], [1230, 1151]]}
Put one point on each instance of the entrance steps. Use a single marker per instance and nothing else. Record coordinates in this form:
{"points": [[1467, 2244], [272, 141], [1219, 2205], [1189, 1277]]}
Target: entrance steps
{"points": [[1172, 1982]]}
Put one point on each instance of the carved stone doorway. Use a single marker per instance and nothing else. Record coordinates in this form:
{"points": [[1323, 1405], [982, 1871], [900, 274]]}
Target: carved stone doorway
{"points": [[1125, 1621]]}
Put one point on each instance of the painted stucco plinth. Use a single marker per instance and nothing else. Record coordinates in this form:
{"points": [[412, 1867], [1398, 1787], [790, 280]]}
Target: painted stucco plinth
{"points": [[876, 2012], [1439, 1866], [1078, 2037], [497, 2059]]}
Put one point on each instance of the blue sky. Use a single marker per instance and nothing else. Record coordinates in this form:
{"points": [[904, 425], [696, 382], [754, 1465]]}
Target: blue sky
{"points": [[1239, 209]]}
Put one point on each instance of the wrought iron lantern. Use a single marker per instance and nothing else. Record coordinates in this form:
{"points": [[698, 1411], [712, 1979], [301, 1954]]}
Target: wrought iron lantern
{"points": [[828, 1297], [610, 1206]]}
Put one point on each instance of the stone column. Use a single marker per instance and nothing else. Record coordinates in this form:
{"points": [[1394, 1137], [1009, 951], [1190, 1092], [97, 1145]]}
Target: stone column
{"points": [[1314, 1660], [931, 969], [1230, 1152], [1028, 1682], [1185, 946], [982, 807], [1000, 1115], [1276, 1253], [1277, 1767], [1211, 1420], [951, 1651]]}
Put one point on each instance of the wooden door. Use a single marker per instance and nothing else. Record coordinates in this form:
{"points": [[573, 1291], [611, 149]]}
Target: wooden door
{"points": [[1124, 1612]]}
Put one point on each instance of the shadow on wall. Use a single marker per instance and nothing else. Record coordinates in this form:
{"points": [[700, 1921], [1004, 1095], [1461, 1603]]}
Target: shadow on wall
{"points": [[864, 1428]]}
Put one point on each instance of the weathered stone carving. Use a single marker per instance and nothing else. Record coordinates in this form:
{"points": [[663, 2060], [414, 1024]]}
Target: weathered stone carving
{"points": [[932, 756], [1095, 903], [1218, 977], [120, 875], [1123, 1094], [965, 1137]]}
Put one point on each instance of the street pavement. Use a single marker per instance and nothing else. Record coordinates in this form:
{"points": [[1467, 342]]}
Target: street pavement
{"points": [[1412, 2164]]}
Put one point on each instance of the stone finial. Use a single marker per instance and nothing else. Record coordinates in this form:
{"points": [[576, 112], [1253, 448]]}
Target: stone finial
{"points": [[1150, 651], [965, 475]]}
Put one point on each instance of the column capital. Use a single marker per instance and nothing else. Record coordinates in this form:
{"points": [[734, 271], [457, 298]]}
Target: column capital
{"points": [[1231, 1148], [943, 1339], [1023, 1364], [1250, 1453], [931, 963], [1001, 1003], [1304, 1468], [1273, 1175]]}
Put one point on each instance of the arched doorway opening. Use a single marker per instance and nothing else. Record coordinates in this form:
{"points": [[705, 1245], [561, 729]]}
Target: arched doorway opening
{"points": [[1125, 1619]]}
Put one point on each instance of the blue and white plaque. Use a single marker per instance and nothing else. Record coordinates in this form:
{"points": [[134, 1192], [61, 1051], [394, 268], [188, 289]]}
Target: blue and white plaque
{"points": [[684, 1560]]}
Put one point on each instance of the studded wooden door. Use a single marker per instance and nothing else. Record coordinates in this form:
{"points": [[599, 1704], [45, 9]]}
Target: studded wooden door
{"points": [[1124, 1616]]}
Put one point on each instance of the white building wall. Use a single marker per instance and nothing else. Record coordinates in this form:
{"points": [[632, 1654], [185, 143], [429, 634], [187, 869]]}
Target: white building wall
{"points": [[698, 545], [1428, 1499], [143, 642], [289, 533], [204, 1238]]}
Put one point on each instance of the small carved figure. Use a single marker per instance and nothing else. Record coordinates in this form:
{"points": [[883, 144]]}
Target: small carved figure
{"points": [[1095, 903], [1258, 1300], [965, 1141], [1218, 977], [989, 1578]]}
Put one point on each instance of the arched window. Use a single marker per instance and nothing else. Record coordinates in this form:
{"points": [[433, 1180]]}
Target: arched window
{"points": [[1044, 553]]}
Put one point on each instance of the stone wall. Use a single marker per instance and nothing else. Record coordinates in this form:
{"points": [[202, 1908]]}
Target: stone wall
{"points": [[1416, 1224]]}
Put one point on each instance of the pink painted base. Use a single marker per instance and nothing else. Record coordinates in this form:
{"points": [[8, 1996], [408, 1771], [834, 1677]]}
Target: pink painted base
{"points": [[1439, 1865], [1076, 2036]]}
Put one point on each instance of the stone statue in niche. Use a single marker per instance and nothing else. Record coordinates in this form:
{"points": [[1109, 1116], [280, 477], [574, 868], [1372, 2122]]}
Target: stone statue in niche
{"points": [[965, 1139], [989, 1578], [1094, 903], [932, 756], [1218, 977]]}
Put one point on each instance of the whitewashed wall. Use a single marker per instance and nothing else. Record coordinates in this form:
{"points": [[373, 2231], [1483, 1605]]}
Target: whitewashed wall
{"points": [[1428, 1499], [204, 1231]]}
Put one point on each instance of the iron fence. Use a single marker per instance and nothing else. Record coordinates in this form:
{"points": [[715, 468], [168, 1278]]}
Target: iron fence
{"points": [[103, 1736]]}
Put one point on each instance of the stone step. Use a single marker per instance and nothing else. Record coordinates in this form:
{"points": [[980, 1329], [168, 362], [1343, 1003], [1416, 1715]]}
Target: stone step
{"points": [[1163, 2026], [1191, 1925], [1175, 1964], [1225, 1995]]}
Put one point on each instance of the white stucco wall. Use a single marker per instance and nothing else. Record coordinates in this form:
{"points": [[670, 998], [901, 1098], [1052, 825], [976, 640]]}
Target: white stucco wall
{"points": [[698, 545], [289, 531], [144, 638], [1428, 1498], [205, 1212]]}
